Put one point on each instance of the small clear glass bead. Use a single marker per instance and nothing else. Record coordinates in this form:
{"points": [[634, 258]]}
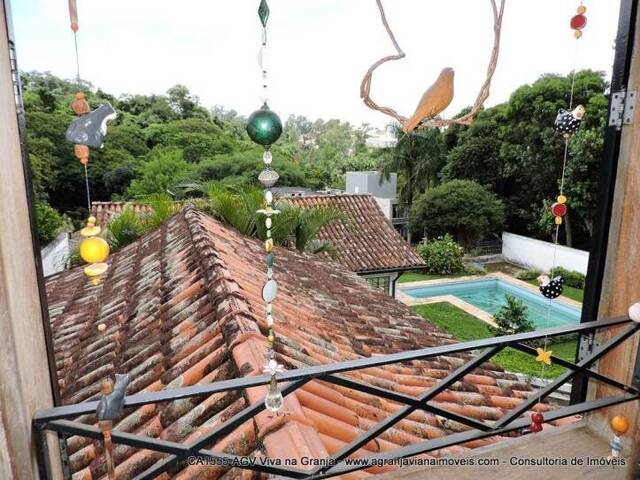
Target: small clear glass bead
{"points": [[270, 320], [268, 196], [267, 158], [268, 223], [273, 401]]}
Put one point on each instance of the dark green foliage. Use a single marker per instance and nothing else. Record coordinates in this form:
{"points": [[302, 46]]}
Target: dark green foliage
{"points": [[170, 143], [460, 207], [512, 317], [162, 172], [571, 278], [243, 168], [442, 256], [513, 150], [124, 229], [129, 225], [530, 274], [49, 222], [294, 226]]}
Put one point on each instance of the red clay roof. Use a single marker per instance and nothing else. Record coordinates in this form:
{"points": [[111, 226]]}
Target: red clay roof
{"points": [[105, 211], [366, 240], [183, 306]]}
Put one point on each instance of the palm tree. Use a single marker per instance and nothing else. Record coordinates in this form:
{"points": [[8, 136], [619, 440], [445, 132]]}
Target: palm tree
{"points": [[294, 226], [418, 157], [129, 225]]}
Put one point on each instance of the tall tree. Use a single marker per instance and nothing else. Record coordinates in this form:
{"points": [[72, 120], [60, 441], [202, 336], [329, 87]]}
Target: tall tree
{"points": [[417, 157]]}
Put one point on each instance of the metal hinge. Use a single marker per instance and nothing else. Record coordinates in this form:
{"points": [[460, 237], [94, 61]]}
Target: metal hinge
{"points": [[622, 107], [587, 343]]}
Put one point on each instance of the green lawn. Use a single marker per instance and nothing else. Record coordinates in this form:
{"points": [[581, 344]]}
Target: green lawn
{"points": [[569, 292], [464, 327], [417, 277]]}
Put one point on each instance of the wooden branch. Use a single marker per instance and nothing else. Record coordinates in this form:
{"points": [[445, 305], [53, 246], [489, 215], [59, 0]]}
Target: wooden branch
{"points": [[365, 86]]}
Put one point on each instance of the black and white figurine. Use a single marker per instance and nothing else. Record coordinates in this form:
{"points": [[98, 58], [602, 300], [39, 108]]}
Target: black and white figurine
{"points": [[568, 122], [550, 288], [91, 128]]}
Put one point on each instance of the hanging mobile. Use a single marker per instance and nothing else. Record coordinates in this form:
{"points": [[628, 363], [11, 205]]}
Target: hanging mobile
{"points": [[88, 130], [264, 128], [567, 122], [619, 425], [109, 409]]}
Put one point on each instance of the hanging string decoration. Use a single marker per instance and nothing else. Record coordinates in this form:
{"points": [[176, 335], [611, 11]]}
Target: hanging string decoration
{"points": [[88, 130], [264, 128], [566, 123], [94, 250], [619, 425], [110, 409], [439, 95], [551, 288]]}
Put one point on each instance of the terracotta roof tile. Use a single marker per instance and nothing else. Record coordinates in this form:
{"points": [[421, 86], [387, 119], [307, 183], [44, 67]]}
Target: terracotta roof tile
{"points": [[183, 306], [365, 240]]}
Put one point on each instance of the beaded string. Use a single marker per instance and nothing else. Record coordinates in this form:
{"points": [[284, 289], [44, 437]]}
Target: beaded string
{"points": [[80, 106], [93, 249], [559, 209], [264, 128]]}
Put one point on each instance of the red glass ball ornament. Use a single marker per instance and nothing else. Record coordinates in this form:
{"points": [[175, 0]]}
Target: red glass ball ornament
{"points": [[536, 427], [537, 417], [578, 22], [559, 209]]}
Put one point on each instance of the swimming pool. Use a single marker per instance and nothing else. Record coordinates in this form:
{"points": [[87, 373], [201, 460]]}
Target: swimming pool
{"points": [[488, 295]]}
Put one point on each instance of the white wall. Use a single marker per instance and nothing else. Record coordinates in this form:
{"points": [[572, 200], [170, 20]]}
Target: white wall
{"points": [[55, 255], [385, 205], [534, 253]]}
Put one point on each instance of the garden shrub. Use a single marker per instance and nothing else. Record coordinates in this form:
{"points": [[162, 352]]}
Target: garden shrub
{"points": [[512, 317], [530, 274], [442, 256], [462, 208], [571, 278], [49, 222], [471, 269]]}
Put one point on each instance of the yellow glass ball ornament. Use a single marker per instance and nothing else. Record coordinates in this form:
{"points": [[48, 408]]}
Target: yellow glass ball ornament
{"points": [[562, 199], [94, 250]]}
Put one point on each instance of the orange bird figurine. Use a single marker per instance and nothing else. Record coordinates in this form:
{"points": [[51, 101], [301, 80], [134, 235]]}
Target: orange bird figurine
{"points": [[437, 97]]}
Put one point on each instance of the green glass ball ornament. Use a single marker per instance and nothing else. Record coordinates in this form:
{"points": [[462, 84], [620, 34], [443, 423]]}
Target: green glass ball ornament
{"points": [[264, 126]]}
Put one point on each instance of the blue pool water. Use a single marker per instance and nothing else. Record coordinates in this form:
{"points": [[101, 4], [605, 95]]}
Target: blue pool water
{"points": [[489, 295]]}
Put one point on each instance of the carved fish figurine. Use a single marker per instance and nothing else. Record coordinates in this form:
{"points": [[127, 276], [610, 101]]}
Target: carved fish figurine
{"points": [[437, 97], [111, 404], [91, 128]]}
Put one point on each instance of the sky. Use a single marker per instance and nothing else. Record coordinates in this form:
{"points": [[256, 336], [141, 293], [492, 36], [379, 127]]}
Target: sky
{"points": [[318, 49]]}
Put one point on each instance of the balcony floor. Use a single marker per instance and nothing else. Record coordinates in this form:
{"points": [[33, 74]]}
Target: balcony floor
{"points": [[565, 442]]}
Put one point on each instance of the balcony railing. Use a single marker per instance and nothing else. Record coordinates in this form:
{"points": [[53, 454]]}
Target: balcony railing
{"points": [[61, 419]]}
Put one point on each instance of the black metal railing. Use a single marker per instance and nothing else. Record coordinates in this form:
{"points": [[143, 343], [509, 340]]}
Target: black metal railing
{"points": [[60, 419]]}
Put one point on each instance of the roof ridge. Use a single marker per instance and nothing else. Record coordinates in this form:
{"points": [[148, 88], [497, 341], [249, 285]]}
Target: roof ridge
{"points": [[205, 249], [245, 340]]}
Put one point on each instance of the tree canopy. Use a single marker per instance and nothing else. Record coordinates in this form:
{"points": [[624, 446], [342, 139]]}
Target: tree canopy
{"points": [[171, 144]]}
